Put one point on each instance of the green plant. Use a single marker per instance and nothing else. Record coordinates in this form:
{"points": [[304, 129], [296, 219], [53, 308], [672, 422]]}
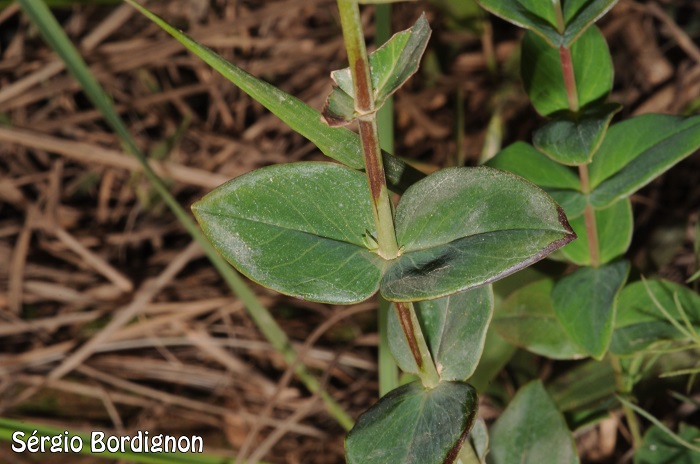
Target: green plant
{"points": [[591, 168], [316, 231], [331, 233]]}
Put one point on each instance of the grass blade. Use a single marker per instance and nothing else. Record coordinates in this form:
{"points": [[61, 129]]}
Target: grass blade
{"points": [[338, 143], [52, 32]]}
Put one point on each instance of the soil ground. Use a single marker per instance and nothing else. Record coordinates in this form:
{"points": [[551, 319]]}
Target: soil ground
{"points": [[85, 239]]}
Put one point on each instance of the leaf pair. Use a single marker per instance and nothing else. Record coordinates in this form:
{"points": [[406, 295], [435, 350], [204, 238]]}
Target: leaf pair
{"points": [[306, 229], [540, 16], [633, 153], [571, 138], [390, 67], [567, 319]]}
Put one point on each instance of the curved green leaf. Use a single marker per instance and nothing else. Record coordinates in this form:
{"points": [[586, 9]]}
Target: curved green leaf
{"points": [[614, 225], [497, 352], [524, 160], [543, 78], [638, 150], [527, 319], [412, 425], [585, 304], [455, 330], [557, 180], [573, 202], [640, 323], [539, 17], [391, 66], [580, 14], [479, 441], [583, 388], [532, 431], [572, 139], [659, 448], [461, 228], [338, 143], [301, 229]]}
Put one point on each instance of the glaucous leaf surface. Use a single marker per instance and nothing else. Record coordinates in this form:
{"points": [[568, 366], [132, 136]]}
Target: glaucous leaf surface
{"points": [[585, 303], [526, 319], [391, 66], [614, 225], [539, 16], [543, 79], [636, 151], [340, 144], [304, 229], [531, 431], [460, 228], [413, 425], [455, 330], [298, 228], [640, 323], [659, 448], [572, 139]]}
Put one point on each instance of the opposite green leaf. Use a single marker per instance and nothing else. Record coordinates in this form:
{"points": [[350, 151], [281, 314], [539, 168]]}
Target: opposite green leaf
{"points": [[527, 319], [531, 431], [572, 139], [535, 15], [573, 202], [641, 324], [412, 425], [558, 181], [454, 328], [543, 79], [497, 352], [659, 448], [539, 16], [614, 225], [580, 14], [586, 386], [391, 66], [479, 440], [460, 228], [524, 160], [585, 304], [275, 226], [301, 229], [637, 151], [340, 144]]}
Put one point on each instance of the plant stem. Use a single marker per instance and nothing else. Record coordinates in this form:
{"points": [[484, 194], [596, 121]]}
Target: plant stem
{"points": [[559, 16], [416, 342], [369, 136], [388, 371], [622, 388], [589, 218], [567, 68]]}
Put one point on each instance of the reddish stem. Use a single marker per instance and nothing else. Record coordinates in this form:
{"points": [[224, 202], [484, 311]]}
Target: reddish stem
{"points": [[567, 68]]}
